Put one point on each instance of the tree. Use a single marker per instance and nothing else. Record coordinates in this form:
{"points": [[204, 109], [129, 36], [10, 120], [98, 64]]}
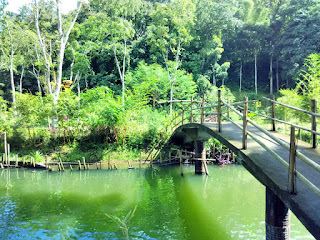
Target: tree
{"points": [[169, 33], [62, 41]]}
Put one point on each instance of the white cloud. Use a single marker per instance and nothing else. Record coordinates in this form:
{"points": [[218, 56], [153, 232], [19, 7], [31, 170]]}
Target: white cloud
{"points": [[14, 5]]}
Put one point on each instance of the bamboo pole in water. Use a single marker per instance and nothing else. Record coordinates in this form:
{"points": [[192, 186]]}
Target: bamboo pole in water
{"points": [[17, 165], [180, 157], [8, 157], [46, 161], [62, 167], [5, 148], [71, 167], [79, 163], [84, 163]]}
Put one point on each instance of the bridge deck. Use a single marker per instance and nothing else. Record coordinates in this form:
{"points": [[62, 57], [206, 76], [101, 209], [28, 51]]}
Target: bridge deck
{"points": [[305, 204]]}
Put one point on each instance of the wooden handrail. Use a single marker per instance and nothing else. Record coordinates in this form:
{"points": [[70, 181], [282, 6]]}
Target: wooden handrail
{"points": [[284, 122], [283, 144], [178, 101], [294, 108], [314, 188]]}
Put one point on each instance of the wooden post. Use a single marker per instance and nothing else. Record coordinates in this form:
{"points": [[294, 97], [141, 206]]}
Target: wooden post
{"points": [[23, 161], [191, 110], [219, 111], [273, 114], [182, 115], [314, 122], [233, 157], [5, 148], [79, 163], [59, 167], [62, 167], [228, 110], [84, 163], [292, 161], [206, 167], [34, 162], [220, 151], [245, 124], [202, 110], [46, 161], [3, 158], [1, 165], [97, 165], [16, 161], [8, 157], [180, 157]]}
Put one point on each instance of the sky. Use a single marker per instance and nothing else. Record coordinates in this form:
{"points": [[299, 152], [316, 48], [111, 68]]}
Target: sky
{"points": [[14, 5]]}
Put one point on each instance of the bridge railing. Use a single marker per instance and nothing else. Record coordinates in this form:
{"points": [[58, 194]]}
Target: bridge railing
{"points": [[202, 110]]}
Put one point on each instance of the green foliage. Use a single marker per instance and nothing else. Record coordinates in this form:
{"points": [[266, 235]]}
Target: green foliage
{"points": [[307, 88]]}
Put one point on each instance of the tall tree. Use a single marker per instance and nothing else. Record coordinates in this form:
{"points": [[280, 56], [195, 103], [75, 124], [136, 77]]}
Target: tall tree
{"points": [[169, 33]]}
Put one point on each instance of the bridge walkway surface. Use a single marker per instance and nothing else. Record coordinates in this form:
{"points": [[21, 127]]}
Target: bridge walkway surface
{"points": [[305, 204]]}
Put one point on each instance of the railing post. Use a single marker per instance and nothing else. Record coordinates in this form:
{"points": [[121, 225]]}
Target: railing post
{"points": [[182, 115], [219, 111], [202, 110], [314, 122], [191, 111], [273, 114], [228, 110], [245, 124], [292, 162]]}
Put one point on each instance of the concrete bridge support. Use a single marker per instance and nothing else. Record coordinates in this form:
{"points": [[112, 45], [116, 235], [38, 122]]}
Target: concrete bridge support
{"points": [[277, 218], [200, 152]]}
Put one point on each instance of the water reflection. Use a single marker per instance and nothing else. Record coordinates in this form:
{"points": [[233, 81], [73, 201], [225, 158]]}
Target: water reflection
{"points": [[73, 205]]}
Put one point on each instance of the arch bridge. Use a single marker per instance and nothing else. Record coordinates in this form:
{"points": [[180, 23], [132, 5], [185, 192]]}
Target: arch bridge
{"points": [[289, 171]]}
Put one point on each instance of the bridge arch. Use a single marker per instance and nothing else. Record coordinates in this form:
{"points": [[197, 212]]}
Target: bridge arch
{"points": [[262, 167]]}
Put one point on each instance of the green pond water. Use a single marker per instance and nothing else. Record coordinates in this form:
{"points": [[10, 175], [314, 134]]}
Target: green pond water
{"points": [[229, 204]]}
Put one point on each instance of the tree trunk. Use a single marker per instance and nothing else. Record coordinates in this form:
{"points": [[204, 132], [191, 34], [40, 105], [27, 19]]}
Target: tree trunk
{"points": [[255, 74], [277, 76], [240, 77], [43, 49], [21, 77], [271, 76], [12, 79]]}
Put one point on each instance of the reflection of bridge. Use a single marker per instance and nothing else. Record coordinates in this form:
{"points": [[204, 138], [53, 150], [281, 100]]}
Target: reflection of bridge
{"points": [[270, 157]]}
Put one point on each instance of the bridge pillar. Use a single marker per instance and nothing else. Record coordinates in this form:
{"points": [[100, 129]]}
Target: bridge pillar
{"points": [[200, 152], [277, 218]]}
